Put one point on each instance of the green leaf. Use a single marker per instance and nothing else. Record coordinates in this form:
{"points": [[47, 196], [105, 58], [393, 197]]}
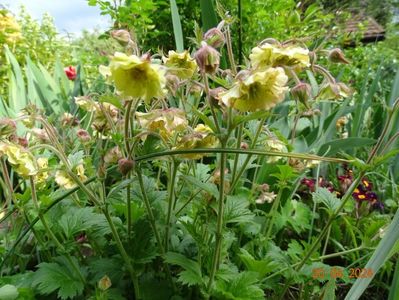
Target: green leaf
{"points": [[177, 30], [206, 186], [394, 290], [191, 275], [17, 93], [112, 99], [55, 276], [252, 116], [323, 195], [8, 292], [377, 259], [262, 267], [295, 213], [236, 210], [328, 291], [335, 146], [208, 14], [242, 287]]}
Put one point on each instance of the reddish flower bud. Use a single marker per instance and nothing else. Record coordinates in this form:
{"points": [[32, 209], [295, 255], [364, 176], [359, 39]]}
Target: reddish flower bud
{"points": [[7, 127], [302, 92], [125, 165], [214, 37], [207, 58], [83, 136], [70, 72], [337, 56], [23, 142], [244, 145], [122, 36]]}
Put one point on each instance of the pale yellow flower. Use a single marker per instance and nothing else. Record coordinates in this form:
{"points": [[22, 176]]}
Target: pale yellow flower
{"points": [[64, 180], [202, 137], [163, 121], [20, 159], [86, 103], [180, 64], [333, 91], [136, 77], [42, 175], [275, 145], [272, 55], [10, 31], [260, 90]]}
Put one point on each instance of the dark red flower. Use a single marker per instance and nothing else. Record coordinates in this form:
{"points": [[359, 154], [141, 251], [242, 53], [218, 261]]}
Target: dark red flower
{"points": [[367, 184], [310, 183], [70, 72], [360, 194]]}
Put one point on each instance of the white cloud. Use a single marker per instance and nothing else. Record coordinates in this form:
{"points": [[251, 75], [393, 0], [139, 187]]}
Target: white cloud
{"points": [[69, 15]]}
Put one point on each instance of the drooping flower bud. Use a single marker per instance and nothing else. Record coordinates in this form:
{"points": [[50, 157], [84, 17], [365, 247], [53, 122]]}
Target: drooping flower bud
{"points": [[207, 58], [244, 145], [214, 37], [70, 72], [83, 136], [7, 127], [337, 56], [22, 141], [172, 83], [122, 36], [40, 134], [125, 165], [69, 120], [302, 92]]}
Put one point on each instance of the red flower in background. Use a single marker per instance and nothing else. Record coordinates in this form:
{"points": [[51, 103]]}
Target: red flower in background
{"points": [[70, 72]]}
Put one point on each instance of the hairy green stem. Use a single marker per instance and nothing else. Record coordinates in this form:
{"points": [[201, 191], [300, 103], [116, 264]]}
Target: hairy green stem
{"points": [[326, 240], [219, 226], [51, 233], [208, 97], [244, 166], [241, 151], [153, 225], [230, 51], [171, 195], [273, 213], [238, 146]]}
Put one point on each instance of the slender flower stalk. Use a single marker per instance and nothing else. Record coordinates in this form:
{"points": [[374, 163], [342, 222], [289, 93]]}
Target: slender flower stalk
{"points": [[174, 165], [219, 226], [153, 224], [273, 212], [51, 234], [253, 144]]}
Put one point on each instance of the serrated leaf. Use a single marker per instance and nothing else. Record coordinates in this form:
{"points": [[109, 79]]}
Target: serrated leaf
{"points": [[51, 277], [323, 195], [191, 275], [243, 287], [236, 210], [262, 267], [206, 186]]}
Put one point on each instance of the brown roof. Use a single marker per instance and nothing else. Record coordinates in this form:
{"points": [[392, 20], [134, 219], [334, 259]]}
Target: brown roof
{"points": [[368, 26]]}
